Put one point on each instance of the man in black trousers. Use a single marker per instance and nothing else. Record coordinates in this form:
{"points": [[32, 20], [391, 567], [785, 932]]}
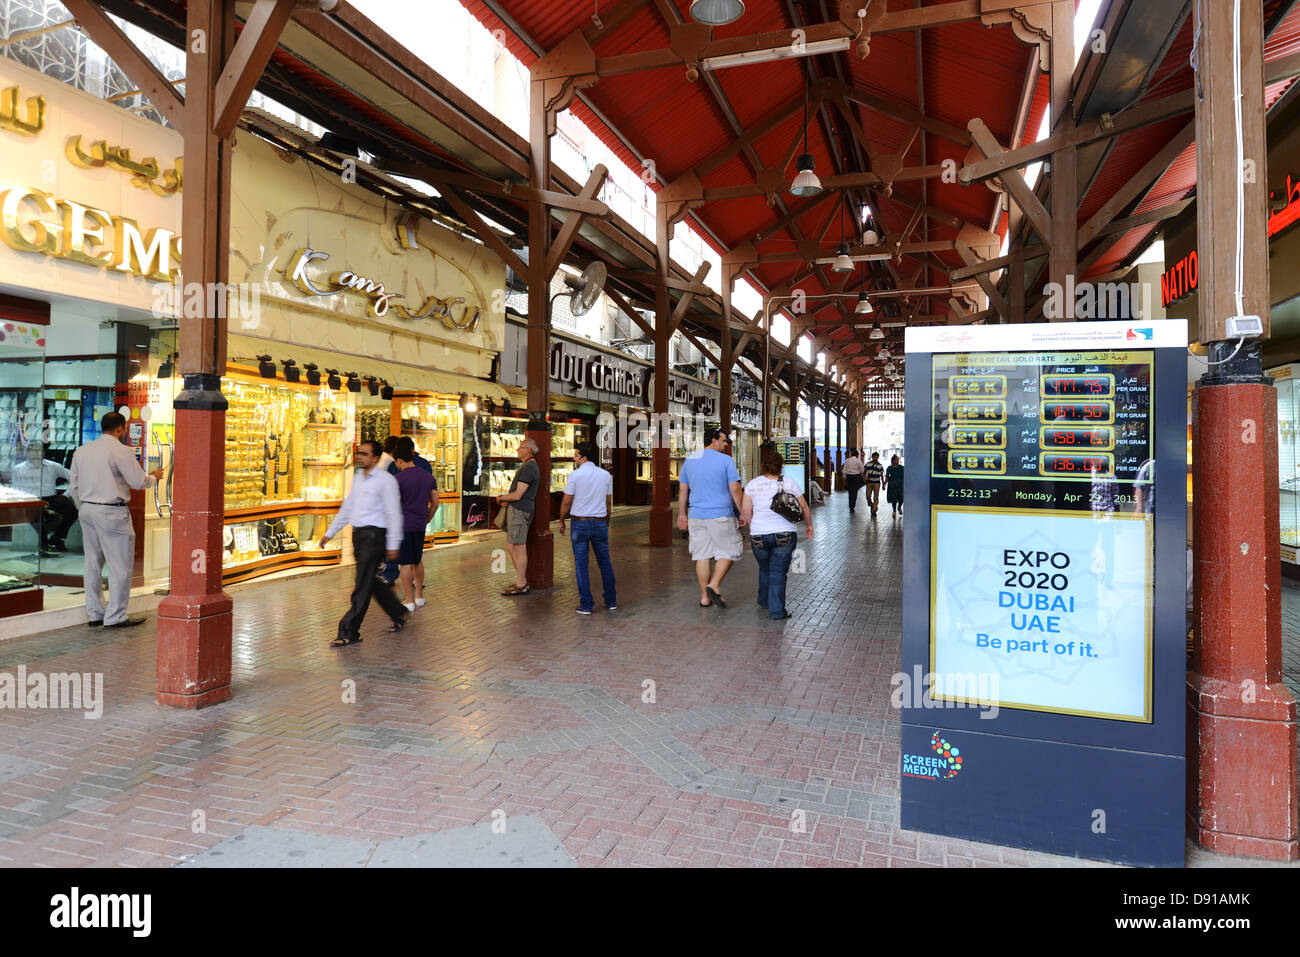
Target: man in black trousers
{"points": [[374, 510]]}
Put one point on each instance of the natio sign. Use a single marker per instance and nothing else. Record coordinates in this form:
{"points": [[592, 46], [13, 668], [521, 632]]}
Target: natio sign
{"points": [[1182, 277]]}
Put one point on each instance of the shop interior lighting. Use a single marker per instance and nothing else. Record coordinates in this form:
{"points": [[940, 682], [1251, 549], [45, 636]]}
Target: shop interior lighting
{"points": [[168, 367], [372, 384], [313, 373], [805, 182], [386, 392], [266, 367], [334, 382], [468, 403], [354, 382], [876, 331], [717, 13], [291, 371], [489, 407], [505, 408]]}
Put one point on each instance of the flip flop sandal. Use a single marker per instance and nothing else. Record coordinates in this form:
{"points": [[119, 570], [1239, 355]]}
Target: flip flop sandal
{"points": [[398, 625], [716, 598], [706, 604], [341, 642], [514, 590]]}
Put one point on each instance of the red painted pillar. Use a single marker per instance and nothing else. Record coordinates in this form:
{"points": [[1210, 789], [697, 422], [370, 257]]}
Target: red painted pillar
{"points": [[541, 540], [1241, 730], [195, 619], [661, 509]]}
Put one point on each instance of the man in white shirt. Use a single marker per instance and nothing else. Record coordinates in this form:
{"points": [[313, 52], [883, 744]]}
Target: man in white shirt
{"points": [[103, 474], [589, 494], [36, 476], [853, 478], [374, 510]]}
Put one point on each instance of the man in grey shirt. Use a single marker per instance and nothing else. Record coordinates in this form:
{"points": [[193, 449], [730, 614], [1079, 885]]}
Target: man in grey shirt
{"points": [[521, 499]]}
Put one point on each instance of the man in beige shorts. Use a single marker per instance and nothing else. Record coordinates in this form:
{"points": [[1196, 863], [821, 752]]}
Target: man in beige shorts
{"points": [[521, 500], [708, 505]]}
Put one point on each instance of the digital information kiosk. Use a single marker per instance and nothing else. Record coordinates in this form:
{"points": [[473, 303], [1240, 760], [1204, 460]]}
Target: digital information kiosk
{"points": [[1044, 624]]}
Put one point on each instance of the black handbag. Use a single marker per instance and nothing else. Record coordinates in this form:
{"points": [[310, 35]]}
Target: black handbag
{"points": [[786, 505]]}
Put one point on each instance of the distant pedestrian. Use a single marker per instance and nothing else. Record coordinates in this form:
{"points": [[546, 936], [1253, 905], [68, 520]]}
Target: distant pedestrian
{"points": [[873, 474], [773, 536], [103, 474], [589, 495], [407, 443], [708, 501], [386, 460], [522, 500], [374, 510], [853, 468], [894, 485], [418, 491]]}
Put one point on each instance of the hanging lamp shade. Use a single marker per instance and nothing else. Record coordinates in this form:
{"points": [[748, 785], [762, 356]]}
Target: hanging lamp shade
{"points": [[717, 13], [870, 238], [806, 182], [876, 331], [864, 305], [842, 261]]}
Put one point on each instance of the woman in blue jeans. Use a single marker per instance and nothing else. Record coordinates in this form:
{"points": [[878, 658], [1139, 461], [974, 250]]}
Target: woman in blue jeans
{"points": [[772, 536]]}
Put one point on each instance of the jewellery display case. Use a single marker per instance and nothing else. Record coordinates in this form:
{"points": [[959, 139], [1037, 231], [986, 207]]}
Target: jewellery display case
{"points": [[20, 510], [565, 437], [433, 421], [288, 465], [682, 443]]}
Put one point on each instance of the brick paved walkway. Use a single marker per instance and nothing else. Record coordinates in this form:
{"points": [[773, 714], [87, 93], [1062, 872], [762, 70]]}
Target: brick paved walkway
{"points": [[508, 712]]}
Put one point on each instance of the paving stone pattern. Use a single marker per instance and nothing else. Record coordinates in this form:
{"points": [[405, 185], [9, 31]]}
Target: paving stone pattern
{"points": [[661, 733]]}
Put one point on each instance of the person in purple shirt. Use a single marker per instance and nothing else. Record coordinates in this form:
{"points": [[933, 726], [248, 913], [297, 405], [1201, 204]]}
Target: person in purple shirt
{"points": [[419, 493]]}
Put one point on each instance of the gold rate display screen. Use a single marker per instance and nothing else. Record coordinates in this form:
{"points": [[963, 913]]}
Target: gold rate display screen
{"points": [[1041, 416]]}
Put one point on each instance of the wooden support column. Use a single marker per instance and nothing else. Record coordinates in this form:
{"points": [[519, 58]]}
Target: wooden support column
{"points": [[766, 384], [541, 545], [839, 442], [194, 620], [661, 510], [725, 356], [1241, 761], [826, 456], [1065, 225]]}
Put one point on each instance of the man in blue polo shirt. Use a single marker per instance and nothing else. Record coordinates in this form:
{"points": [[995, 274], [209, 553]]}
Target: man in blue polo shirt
{"points": [[708, 503]]}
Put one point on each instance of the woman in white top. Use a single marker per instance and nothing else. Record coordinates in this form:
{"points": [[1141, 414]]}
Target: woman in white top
{"points": [[772, 536]]}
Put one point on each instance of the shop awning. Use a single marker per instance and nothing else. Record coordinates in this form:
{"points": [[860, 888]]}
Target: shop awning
{"points": [[242, 349]]}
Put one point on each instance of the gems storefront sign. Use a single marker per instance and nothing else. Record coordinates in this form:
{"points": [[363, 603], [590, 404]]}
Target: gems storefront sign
{"points": [[86, 183]]}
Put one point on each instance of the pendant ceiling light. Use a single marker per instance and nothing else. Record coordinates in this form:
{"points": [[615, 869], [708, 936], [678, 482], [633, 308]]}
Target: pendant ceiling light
{"points": [[864, 304], [876, 332], [842, 261], [717, 13], [806, 182]]}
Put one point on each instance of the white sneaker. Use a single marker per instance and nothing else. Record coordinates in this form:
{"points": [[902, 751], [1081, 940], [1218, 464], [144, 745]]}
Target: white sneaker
{"points": [[419, 603], [409, 606]]}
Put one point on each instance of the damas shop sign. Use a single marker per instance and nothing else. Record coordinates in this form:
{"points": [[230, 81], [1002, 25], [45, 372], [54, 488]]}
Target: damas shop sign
{"points": [[600, 376]]}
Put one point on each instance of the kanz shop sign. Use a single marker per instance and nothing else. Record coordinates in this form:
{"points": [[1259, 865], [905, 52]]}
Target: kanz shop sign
{"points": [[454, 312]]}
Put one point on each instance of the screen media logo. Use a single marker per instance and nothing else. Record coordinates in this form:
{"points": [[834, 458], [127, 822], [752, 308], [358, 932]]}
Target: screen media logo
{"points": [[944, 763]]}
